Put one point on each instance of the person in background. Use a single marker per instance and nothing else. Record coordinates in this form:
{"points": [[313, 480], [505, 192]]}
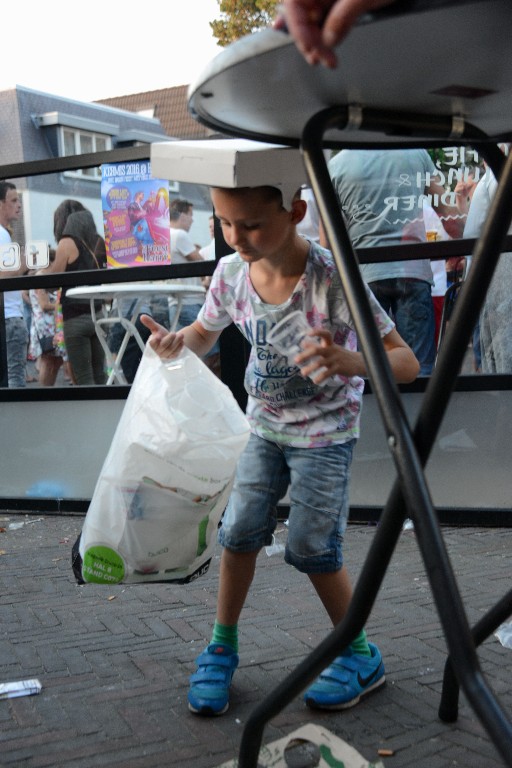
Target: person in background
{"points": [[375, 188], [60, 344], [435, 232], [49, 361], [27, 311], [207, 252], [79, 247], [302, 433], [15, 325], [495, 323], [184, 250], [309, 227]]}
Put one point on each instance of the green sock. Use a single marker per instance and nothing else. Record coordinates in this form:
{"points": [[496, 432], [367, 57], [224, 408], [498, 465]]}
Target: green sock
{"points": [[360, 644], [227, 634]]}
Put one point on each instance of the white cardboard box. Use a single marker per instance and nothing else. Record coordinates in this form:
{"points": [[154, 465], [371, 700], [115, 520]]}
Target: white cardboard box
{"points": [[230, 163]]}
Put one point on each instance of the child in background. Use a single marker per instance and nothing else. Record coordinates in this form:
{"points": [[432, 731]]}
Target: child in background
{"points": [[302, 434]]}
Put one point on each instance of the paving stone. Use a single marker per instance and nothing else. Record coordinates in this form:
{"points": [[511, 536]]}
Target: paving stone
{"points": [[114, 661]]}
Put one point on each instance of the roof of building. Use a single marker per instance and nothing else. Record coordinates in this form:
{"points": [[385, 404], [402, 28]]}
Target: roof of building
{"points": [[169, 105], [29, 119]]}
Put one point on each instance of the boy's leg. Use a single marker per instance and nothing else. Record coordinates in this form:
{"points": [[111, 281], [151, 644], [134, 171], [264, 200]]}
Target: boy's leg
{"points": [[335, 592], [235, 578], [359, 669], [209, 689], [317, 522], [247, 526]]}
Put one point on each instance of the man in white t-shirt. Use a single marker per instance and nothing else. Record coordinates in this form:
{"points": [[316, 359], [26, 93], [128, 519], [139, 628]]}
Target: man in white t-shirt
{"points": [[207, 252], [183, 250], [15, 326]]}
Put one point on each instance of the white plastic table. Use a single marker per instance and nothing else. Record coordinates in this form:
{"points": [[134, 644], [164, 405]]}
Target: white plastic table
{"points": [[419, 73], [138, 293]]}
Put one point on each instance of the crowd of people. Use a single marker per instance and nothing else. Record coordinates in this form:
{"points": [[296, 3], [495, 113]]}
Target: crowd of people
{"points": [[57, 333], [44, 325], [54, 331]]}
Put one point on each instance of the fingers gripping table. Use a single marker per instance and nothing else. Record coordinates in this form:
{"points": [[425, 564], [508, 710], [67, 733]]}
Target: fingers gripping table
{"points": [[137, 294], [404, 79]]}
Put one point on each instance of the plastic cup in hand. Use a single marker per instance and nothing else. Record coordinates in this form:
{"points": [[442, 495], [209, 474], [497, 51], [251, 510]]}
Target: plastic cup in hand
{"points": [[291, 335]]}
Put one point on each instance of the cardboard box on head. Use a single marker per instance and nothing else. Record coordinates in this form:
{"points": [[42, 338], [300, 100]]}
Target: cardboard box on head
{"points": [[231, 163]]}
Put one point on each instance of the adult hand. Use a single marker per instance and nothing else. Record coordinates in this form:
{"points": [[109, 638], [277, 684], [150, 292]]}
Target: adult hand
{"points": [[463, 193], [317, 26]]}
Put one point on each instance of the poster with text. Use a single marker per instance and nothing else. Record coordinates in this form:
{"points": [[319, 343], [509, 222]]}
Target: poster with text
{"points": [[135, 215]]}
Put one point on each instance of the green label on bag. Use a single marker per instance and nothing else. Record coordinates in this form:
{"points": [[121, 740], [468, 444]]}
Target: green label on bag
{"points": [[102, 565], [202, 543]]}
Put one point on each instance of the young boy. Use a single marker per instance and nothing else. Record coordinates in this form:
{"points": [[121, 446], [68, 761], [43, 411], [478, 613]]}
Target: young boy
{"points": [[302, 435]]}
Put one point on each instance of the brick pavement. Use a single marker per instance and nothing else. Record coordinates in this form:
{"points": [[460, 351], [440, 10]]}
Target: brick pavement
{"points": [[114, 661]]}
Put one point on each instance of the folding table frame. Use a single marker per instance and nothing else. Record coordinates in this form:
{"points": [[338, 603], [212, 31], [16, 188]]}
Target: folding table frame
{"points": [[220, 101]]}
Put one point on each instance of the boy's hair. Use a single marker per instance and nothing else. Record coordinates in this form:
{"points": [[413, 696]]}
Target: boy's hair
{"points": [[177, 207], [267, 191]]}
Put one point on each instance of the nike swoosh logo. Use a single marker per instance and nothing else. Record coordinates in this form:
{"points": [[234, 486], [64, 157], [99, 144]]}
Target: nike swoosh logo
{"points": [[364, 681]]}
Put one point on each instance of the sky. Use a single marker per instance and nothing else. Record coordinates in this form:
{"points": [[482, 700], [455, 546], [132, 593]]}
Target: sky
{"points": [[132, 46]]}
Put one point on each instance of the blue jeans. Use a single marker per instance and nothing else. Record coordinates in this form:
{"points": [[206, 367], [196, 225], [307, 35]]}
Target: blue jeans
{"points": [[133, 353], [409, 302], [318, 479], [17, 345]]}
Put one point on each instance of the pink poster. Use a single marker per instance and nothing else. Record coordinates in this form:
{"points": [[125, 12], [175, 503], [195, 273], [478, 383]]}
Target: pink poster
{"points": [[135, 215]]}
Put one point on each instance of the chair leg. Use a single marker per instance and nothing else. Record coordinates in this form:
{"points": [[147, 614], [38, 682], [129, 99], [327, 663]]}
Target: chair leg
{"points": [[449, 705]]}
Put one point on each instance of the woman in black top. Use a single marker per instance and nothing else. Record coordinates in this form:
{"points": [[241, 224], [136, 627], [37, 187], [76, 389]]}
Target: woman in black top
{"points": [[79, 247]]}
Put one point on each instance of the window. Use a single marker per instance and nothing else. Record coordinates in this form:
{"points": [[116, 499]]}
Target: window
{"points": [[77, 142]]}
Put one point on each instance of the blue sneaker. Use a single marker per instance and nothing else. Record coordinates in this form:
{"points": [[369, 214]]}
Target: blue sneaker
{"points": [[209, 686], [349, 677]]}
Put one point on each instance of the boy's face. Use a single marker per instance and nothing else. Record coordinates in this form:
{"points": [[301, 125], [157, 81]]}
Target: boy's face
{"points": [[252, 224]]}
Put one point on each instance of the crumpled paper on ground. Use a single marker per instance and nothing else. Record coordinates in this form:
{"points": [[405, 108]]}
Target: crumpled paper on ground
{"points": [[19, 688], [308, 746], [504, 634]]}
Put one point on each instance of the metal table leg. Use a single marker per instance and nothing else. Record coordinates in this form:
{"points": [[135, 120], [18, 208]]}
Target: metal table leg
{"points": [[449, 705]]}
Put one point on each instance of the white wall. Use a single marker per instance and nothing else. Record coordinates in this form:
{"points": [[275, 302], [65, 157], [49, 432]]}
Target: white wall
{"points": [[63, 445]]}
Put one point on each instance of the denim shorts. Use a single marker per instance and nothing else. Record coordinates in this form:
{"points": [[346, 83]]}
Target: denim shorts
{"points": [[318, 481]]}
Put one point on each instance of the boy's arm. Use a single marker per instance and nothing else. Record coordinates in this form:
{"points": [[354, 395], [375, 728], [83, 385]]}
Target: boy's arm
{"points": [[403, 362], [168, 344], [339, 361]]}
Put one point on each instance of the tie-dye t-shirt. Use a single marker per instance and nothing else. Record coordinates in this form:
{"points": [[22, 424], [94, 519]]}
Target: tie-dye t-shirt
{"points": [[283, 406]]}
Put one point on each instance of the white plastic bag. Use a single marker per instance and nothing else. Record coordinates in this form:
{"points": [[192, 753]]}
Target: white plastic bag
{"points": [[165, 482]]}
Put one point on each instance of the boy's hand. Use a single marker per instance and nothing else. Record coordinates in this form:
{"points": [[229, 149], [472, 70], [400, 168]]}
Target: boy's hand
{"points": [[323, 359], [165, 343]]}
